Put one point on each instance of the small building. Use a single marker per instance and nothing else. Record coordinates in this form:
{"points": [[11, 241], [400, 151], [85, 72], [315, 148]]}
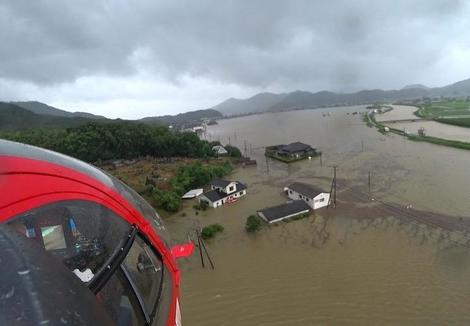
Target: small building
{"points": [[223, 192], [313, 196], [198, 129], [193, 193], [291, 152], [219, 150], [280, 212], [296, 150]]}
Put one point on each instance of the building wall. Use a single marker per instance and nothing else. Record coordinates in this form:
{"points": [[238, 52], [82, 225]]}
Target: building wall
{"points": [[321, 200], [314, 203], [295, 196]]}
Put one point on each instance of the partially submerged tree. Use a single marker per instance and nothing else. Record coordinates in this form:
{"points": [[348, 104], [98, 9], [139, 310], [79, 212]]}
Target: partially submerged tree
{"points": [[253, 224]]}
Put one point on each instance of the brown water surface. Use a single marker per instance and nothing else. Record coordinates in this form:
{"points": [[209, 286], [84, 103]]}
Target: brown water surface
{"points": [[339, 266]]}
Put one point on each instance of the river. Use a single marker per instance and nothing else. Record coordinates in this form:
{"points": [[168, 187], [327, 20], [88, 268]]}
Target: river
{"points": [[432, 128], [359, 263]]}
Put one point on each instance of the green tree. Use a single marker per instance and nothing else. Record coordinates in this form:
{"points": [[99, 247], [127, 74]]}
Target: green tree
{"points": [[233, 151], [211, 230], [253, 224]]}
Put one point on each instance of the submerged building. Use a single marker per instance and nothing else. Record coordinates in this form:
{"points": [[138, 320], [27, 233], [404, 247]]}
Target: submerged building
{"points": [[285, 211], [291, 152], [223, 192], [313, 196]]}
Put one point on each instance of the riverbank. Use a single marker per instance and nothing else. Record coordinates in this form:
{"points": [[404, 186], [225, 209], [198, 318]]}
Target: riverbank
{"points": [[383, 127]]}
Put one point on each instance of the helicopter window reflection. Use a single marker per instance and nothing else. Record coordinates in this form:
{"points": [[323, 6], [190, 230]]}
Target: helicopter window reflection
{"points": [[82, 234], [120, 302], [145, 269]]}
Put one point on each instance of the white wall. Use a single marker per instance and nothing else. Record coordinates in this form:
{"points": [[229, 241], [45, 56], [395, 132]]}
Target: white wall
{"points": [[296, 196], [321, 200], [231, 184], [314, 203]]}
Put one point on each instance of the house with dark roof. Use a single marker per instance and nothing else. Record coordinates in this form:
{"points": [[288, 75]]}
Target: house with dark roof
{"points": [[291, 152], [313, 196], [223, 192], [281, 212]]}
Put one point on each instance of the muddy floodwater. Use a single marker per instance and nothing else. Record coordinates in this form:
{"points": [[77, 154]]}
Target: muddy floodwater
{"points": [[432, 128], [382, 261]]}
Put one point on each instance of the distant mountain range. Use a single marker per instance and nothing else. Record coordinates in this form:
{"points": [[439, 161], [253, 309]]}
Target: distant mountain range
{"points": [[269, 102], [29, 115]]}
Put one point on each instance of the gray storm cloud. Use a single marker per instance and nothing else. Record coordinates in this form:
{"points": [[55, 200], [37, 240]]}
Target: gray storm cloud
{"points": [[254, 45]]}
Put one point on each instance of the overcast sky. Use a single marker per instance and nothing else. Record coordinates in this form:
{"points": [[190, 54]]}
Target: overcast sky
{"points": [[140, 58]]}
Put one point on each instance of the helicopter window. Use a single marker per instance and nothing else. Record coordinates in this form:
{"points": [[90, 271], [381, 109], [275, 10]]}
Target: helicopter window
{"points": [[82, 234], [53, 237], [145, 270], [120, 302]]}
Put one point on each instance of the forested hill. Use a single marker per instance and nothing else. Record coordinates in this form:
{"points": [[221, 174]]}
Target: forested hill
{"points": [[13, 117], [41, 108], [191, 117], [33, 115]]}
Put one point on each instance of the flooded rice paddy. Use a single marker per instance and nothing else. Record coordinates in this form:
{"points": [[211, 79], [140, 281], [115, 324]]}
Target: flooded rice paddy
{"points": [[382, 261]]}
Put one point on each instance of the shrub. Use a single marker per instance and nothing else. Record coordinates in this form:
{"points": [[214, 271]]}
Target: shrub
{"points": [[211, 230], [168, 200], [253, 224]]}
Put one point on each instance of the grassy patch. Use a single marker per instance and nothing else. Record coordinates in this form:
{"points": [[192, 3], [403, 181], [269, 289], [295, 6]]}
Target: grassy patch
{"points": [[445, 109], [441, 141]]}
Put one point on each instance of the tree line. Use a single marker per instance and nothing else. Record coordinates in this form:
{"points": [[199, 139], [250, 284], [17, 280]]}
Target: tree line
{"points": [[95, 142]]}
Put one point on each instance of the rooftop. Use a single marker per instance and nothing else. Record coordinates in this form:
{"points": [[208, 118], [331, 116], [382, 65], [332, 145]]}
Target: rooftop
{"points": [[289, 209], [193, 193], [296, 147], [214, 195], [305, 189], [220, 183]]}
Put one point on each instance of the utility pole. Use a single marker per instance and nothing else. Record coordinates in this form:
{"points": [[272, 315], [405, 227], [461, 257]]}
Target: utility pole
{"points": [[334, 180], [368, 182], [251, 149], [246, 153], [267, 164], [321, 161], [362, 145], [229, 140], [200, 248]]}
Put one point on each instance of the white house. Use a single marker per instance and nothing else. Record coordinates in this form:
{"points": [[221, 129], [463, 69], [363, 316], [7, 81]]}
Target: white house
{"points": [[223, 192], [219, 150], [314, 197]]}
